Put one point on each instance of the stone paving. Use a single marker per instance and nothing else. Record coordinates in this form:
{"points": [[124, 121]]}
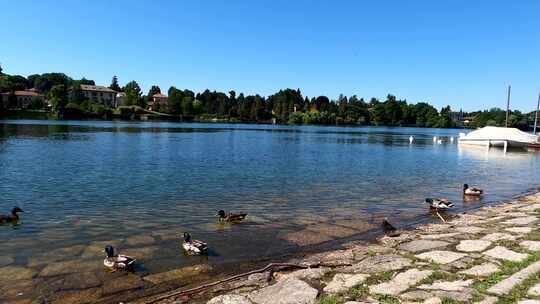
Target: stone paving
{"points": [[490, 256]]}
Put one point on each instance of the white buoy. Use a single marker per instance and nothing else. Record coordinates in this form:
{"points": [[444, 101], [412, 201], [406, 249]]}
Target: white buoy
{"points": [[434, 138], [451, 139], [411, 139]]}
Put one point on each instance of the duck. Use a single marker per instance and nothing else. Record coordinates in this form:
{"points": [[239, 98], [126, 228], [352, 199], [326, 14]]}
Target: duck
{"points": [[231, 217], [117, 261], [194, 247], [439, 203], [389, 229], [11, 218], [472, 190]]}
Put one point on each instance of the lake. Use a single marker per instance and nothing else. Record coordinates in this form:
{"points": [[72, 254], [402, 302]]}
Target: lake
{"points": [[140, 185]]}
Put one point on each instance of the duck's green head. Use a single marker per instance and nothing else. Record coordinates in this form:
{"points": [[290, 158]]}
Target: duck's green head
{"points": [[221, 214], [187, 236], [16, 210], [109, 250]]}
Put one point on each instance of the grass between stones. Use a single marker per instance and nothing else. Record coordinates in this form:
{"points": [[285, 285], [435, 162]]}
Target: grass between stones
{"points": [[508, 268], [359, 292], [439, 275]]}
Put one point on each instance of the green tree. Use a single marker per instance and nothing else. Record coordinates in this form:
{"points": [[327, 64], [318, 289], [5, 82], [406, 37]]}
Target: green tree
{"points": [[114, 84], [76, 94], [187, 105], [133, 94], [153, 91], [58, 97], [36, 103], [174, 102]]}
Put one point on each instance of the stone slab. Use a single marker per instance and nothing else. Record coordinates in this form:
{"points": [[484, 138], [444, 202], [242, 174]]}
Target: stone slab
{"points": [[530, 245], [441, 257], [401, 282], [439, 236], [519, 230], [380, 263], [343, 282], [458, 285], [482, 270], [291, 291], [229, 299], [534, 291], [470, 229], [503, 253], [422, 245], [498, 236], [473, 245], [521, 221]]}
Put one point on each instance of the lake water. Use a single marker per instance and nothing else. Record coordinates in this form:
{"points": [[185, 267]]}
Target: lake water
{"points": [[140, 185]]}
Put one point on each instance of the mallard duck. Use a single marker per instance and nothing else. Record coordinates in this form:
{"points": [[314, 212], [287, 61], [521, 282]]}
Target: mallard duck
{"points": [[194, 247], [12, 218], [231, 217], [117, 261], [389, 229], [439, 203], [472, 190]]}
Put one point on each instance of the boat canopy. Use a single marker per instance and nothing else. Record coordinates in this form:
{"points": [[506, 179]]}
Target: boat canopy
{"points": [[500, 134]]}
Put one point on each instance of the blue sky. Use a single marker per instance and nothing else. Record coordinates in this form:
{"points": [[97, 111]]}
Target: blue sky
{"points": [[456, 52]]}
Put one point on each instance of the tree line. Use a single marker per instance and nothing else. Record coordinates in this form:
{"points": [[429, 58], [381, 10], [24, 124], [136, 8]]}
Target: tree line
{"points": [[287, 106]]}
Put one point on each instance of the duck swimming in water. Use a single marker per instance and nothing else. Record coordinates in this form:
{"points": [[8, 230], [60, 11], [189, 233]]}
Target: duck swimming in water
{"points": [[194, 247], [12, 218], [231, 217], [472, 191], [117, 261], [438, 204]]}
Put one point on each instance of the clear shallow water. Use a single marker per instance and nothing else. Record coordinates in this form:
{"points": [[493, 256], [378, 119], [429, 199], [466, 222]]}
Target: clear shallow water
{"points": [[142, 184]]}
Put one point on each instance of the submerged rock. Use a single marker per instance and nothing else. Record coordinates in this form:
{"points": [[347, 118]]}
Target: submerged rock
{"points": [[138, 240], [177, 274], [75, 281], [306, 237], [75, 266], [123, 283], [6, 260], [14, 273], [77, 297]]}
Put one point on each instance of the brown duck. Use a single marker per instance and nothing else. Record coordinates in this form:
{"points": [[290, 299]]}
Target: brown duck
{"points": [[11, 218]]}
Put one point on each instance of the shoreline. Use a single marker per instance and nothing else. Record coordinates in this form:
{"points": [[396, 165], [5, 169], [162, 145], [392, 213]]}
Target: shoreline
{"points": [[420, 239]]}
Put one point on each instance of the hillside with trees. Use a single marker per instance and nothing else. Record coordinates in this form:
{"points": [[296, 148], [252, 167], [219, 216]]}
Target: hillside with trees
{"points": [[287, 106]]}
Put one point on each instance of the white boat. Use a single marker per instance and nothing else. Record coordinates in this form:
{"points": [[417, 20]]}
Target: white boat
{"points": [[498, 137]]}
